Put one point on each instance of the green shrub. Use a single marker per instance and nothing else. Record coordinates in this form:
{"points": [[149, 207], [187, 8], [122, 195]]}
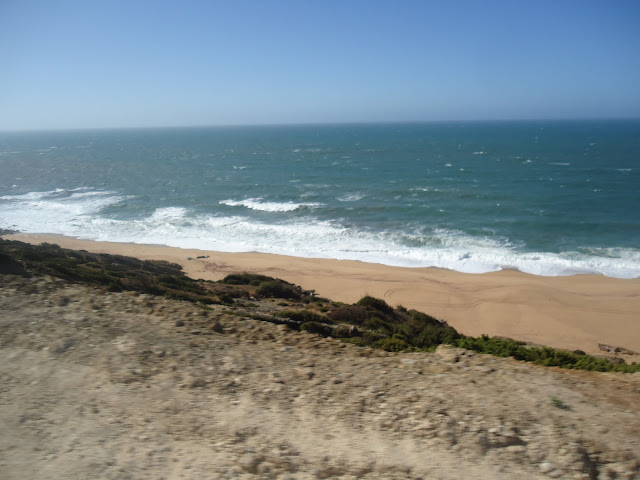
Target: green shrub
{"points": [[189, 298], [354, 314], [304, 316], [545, 356], [393, 345], [245, 279], [317, 328], [277, 289], [370, 338], [424, 319], [345, 331], [375, 304], [115, 286], [226, 298], [379, 325], [168, 280]]}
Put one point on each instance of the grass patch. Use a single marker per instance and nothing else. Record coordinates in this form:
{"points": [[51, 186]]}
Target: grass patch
{"points": [[558, 403]]}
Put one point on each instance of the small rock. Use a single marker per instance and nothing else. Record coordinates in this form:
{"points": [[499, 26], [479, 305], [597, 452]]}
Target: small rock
{"points": [[547, 467], [63, 301], [63, 345], [264, 468], [448, 353], [217, 327], [516, 449], [198, 383], [307, 373], [249, 463], [158, 351], [179, 323]]}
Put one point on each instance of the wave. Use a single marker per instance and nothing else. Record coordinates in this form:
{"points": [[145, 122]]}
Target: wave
{"points": [[169, 214], [258, 204], [82, 214], [351, 197], [37, 211]]}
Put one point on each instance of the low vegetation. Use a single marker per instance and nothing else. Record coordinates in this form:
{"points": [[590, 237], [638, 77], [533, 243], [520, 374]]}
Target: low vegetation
{"points": [[370, 322]]}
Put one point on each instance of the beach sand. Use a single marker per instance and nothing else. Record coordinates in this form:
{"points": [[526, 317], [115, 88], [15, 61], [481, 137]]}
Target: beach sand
{"points": [[574, 312]]}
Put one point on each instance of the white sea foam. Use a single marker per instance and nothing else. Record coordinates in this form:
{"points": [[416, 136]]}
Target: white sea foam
{"points": [[31, 196], [424, 189], [169, 213], [258, 204], [79, 214], [351, 197], [60, 211]]}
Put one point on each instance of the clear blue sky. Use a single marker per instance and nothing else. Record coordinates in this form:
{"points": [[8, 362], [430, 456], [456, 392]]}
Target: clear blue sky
{"points": [[112, 63]]}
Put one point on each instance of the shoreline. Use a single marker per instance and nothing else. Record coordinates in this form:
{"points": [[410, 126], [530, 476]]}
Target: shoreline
{"points": [[569, 312]]}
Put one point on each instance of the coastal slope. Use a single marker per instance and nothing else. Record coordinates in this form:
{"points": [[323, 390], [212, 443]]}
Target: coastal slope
{"points": [[119, 385], [577, 312]]}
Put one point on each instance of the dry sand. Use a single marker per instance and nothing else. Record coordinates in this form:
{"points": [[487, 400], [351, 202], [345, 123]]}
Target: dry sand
{"points": [[97, 385], [576, 312]]}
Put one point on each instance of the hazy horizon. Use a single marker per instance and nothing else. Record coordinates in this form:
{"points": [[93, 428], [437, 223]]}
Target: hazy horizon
{"points": [[326, 124]]}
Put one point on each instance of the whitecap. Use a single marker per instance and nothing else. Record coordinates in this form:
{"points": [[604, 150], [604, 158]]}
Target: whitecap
{"points": [[351, 197], [65, 212], [260, 205], [169, 213]]}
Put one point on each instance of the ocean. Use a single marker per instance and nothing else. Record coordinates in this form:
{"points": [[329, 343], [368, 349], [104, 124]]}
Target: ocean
{"points": [[543, 197]]}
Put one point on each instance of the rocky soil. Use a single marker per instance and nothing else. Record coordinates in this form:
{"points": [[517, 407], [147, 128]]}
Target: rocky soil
{"points": [[124, 385]]}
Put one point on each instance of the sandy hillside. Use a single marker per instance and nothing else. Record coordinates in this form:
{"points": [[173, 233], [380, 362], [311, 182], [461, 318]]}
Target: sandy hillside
{"points": [[119, 385], [574, 313]]}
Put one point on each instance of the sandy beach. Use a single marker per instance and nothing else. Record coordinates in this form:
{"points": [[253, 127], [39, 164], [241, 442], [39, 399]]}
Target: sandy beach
{"points": [[575, 312]]}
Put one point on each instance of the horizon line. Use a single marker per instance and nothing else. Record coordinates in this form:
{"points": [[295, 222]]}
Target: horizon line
{"points": [[327, 123]]}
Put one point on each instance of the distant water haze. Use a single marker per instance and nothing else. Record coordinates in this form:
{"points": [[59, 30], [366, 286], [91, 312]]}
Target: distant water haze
{"points": [[548, 198]]}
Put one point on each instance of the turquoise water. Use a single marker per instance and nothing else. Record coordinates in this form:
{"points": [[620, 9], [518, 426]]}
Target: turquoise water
{"points": [[549, 198]]}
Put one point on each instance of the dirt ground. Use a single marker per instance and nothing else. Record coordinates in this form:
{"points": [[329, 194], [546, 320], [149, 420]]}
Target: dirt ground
{"points": [[126, 386]]}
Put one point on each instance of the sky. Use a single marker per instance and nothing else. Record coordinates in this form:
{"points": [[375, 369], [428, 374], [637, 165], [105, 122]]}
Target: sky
{"points": [[135, 63]]}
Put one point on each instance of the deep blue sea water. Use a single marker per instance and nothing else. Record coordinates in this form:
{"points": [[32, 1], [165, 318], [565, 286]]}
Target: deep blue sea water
{"points": [[548, 198]]}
